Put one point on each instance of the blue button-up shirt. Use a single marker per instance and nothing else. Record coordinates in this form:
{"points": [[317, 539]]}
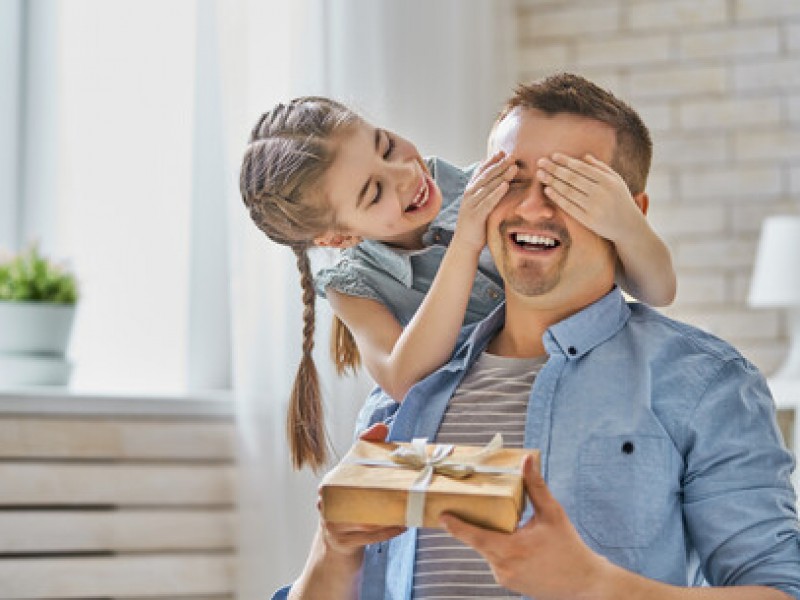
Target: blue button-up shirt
{"points": [[658, 439]]}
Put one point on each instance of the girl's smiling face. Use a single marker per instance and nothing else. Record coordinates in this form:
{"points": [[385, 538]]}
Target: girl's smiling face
{"points": [[378, 188]]}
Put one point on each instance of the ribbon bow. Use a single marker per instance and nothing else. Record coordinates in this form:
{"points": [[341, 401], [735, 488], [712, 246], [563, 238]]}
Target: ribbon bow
{"points": [[416, 457]]}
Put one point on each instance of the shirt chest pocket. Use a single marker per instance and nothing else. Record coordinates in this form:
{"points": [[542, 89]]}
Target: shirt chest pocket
{"points": [[625, 493]]}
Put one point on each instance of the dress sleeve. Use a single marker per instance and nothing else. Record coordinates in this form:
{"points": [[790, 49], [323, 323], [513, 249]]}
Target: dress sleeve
{"points": [[739, 505], [344, 277]]}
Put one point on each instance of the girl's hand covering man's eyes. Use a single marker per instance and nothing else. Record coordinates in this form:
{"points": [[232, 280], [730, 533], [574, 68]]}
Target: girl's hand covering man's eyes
{"points": [[485, 189], [591, 192]]}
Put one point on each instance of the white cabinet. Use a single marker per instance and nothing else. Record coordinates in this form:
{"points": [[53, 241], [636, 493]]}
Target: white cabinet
{"points": [[106, 498]]}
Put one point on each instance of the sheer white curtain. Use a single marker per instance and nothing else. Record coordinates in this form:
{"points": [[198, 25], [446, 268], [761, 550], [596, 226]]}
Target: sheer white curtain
{"points": [[433, 71]]}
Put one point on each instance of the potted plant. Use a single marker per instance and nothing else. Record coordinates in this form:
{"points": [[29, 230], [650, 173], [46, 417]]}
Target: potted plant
{"points": [[37, 309]]}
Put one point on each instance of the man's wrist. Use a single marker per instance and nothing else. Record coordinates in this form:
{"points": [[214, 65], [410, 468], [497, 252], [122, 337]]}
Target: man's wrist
{"points": [[606, 581], [340, 557]]}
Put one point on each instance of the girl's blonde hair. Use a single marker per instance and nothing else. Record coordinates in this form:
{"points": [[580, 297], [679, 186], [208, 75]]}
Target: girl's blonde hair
{"points": [[288, 152]]}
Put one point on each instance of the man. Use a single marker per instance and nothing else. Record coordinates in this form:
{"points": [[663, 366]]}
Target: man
{"points": [[663, 464]]}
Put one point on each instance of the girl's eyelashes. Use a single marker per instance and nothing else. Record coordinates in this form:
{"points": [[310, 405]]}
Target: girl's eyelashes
{"points": [[386, 155], [389, 146], [377, 197]]}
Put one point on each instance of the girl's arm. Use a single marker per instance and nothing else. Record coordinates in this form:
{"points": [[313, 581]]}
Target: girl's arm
{"points": [[594, 194], [398, 357]]}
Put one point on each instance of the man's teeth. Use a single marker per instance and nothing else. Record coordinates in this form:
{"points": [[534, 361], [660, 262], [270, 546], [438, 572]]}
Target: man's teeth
{"points": [[536, 240]]}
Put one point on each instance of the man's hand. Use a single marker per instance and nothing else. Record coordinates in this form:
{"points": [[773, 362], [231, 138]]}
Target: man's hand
{"points": [[544, 558], [376, 433], [350, 538]]}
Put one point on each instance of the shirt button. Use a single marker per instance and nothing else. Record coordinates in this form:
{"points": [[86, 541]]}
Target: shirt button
{"points": [[437, 237], [493, 294], [628, 447], [572, 350]]}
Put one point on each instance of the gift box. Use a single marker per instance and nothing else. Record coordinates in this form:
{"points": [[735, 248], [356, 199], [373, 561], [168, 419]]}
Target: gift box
{"points": [[412, 484]]}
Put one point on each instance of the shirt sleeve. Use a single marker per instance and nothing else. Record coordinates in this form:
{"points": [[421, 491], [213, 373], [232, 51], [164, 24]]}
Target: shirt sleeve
{"points": [[379, 407], [282, 594], [739, 504]]}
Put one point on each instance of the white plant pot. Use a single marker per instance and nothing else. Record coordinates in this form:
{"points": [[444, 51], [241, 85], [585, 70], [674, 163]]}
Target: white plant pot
{"points": [[35, 327], [30, 369]]}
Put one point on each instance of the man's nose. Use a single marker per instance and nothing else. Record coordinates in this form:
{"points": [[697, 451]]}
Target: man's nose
{"points": [[535, 201]]}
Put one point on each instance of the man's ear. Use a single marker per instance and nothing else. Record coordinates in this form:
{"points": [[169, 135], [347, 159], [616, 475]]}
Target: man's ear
{"points": [[642, 201], [331, 239]]}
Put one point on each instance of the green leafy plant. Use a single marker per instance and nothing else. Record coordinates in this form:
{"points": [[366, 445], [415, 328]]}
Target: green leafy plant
{"points": [[30, 277]]}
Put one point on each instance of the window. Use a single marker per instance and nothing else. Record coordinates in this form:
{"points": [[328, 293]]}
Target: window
{"points": [[113, 127]]}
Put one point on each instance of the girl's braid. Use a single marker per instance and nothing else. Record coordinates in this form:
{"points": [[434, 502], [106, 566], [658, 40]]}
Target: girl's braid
{"points": [[289, 151], [305, 420]]}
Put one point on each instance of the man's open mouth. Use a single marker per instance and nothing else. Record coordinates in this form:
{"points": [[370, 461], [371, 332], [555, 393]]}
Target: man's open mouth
{"points": [[534, 242]]}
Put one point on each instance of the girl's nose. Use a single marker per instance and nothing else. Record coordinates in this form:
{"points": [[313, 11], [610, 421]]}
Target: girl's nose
{"points": [[407, 175]]}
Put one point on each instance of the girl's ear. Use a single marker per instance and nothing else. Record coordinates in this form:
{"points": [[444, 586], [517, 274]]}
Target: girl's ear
{"points": [[336, 240], [642, 201]]}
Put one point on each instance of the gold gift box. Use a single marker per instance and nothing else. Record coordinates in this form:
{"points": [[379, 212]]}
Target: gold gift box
{"points": [[360, 493]]}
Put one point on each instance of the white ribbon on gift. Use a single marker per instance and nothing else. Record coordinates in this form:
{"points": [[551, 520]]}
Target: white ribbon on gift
{"points": [[415, 456]]}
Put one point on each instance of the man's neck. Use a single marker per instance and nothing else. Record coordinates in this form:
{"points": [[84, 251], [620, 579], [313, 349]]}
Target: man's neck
{"points": [[527, 319]]}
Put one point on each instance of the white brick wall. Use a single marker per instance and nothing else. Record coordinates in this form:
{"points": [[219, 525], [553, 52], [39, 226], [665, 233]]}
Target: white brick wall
{"points": [[718, 82], [730, 182], [793, 38], [773, 75], [727, 112], [676, 81], [793, 109], [765, 10], [737, 42], [570, 19], [624, 51], [675, 149], [676, 14]]}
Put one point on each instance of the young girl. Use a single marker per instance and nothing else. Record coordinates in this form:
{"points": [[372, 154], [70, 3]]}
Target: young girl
{"points": [[414, 267]]}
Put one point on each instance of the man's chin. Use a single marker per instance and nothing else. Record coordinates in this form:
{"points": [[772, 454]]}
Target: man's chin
{"points": [[531, 287], [530, 279]]}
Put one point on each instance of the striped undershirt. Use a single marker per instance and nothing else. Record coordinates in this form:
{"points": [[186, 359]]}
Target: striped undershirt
{"points": [[492, 397]]}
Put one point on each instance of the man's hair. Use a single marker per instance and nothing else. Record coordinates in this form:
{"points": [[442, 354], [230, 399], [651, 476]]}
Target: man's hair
{"points": [[573, 94]]}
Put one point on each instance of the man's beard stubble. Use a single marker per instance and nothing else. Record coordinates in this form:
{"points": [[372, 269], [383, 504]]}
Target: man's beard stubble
{"points": [[528, 277]]}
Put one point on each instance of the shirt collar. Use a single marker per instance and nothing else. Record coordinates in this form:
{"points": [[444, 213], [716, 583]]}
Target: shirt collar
{"points": [[578, 334], [573, 337]]}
